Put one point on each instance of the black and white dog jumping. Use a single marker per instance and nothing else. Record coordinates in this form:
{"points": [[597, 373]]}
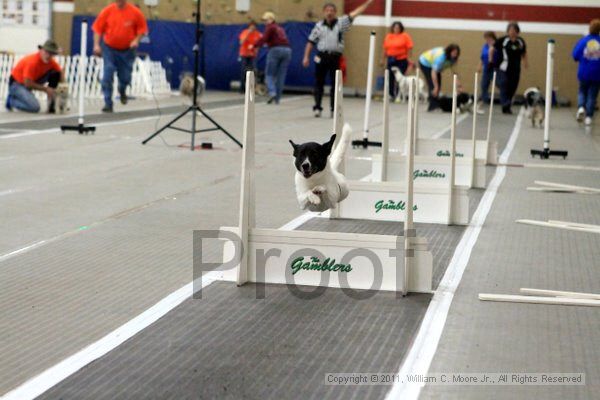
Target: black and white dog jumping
{"points": [[319, 184]]}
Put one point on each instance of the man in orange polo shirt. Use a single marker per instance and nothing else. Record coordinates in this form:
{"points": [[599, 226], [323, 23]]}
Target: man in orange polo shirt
{"points": [[31, 73], [117, 33]]}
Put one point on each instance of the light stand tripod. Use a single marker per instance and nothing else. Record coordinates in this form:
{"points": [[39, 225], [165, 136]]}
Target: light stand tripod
{"points": [[195, 107]]}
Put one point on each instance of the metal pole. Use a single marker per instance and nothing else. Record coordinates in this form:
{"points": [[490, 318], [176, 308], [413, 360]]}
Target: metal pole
{"points": [[388, 13], [548, 102], [369, 85]]}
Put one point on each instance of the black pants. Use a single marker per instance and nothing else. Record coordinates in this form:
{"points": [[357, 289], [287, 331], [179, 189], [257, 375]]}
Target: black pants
{"points": [[327, 65], [433, 101], [508, 82], [248, 64]]}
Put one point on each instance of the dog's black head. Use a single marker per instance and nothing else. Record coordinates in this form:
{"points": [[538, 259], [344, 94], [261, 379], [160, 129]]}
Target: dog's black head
{"points": [[311, 157]]}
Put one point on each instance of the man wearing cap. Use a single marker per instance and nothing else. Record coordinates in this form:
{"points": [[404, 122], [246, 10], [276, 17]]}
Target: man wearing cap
{"points": [[117, 34], [31, 73], [328, 37]]}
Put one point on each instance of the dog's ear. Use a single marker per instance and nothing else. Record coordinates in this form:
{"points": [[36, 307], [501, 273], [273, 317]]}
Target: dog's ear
{"points": [[294, 146], [329, 145]]}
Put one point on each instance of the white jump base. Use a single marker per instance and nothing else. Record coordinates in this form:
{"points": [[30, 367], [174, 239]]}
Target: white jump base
{"points": [[314, 258], [484, 150], [287, 246], [431, 170], [385, 201]]}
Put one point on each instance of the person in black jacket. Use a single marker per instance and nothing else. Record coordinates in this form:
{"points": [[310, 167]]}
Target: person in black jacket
{"points": [[511, 51]]}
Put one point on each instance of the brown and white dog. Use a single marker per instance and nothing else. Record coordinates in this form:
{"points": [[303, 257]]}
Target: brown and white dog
{"points": [[61, 99]]}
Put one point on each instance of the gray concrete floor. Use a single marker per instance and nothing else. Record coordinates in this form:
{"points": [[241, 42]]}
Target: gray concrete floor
{"points": [[110, 223]]}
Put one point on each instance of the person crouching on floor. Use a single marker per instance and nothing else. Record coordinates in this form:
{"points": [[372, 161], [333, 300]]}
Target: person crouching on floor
{"points": [[37, 71]]}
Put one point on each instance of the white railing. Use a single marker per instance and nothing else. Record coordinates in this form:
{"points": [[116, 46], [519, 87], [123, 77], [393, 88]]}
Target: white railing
{"points": [[149, 77]]}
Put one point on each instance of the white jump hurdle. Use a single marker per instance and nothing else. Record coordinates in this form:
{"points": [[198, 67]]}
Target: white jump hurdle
{"points": [[486, 150], [341, 260], [440, 202], [470, 171]]}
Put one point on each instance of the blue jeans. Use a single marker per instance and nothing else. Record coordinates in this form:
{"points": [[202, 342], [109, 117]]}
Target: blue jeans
{"points": [[278, 61], [588, 93], [486, 80], [23, 99], [402, 65], [121, 62]]}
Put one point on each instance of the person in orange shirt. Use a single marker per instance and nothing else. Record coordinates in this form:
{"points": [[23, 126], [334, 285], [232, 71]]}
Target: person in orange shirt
{"points": [[31, 73], [117, 34], [397, 51], [248, 51]]}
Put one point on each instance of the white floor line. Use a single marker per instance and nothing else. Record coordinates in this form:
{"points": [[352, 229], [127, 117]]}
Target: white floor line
{"points": [[129, 121], [419, 358], [52, 376], [57, 373], [443, 132]]}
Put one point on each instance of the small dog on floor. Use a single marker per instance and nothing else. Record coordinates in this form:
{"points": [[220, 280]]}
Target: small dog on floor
{"points": [[534, 103], [402, 81], [464, 103], [319, 184], [61, 100]]}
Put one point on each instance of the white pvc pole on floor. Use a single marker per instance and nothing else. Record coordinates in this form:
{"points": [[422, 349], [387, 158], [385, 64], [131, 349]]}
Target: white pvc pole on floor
{"points": [[82, 70], [474, 135], [369, 92], [548, 102]]}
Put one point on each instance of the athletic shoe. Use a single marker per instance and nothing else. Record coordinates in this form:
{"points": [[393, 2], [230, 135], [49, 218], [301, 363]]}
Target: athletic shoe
{"points": [[107, 109], [317, 113], [8, 105], [124, 98], [506, 110], [580, 114], [271, 100], [479, 108], [588, 121]]}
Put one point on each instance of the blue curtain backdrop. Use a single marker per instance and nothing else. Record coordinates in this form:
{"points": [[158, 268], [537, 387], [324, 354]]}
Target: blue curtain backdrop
{"points": [[171, 43]]}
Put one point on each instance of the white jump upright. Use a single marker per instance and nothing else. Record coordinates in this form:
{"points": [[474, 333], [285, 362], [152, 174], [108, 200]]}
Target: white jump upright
{"points": [[315, 258], [81, 128], [474, 135], [490, 114], [434, 202], [546, 152], [385, 140]]}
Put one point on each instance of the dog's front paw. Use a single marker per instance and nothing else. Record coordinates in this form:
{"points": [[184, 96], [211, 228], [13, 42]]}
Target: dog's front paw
{"points": [[314, 199], [319, 190]]}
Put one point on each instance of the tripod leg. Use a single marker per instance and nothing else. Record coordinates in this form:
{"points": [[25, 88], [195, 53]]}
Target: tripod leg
{"points": [[158, 132], [215, 123], [194, 116]]}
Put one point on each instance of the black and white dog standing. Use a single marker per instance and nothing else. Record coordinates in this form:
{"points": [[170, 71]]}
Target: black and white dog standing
{"points": [[319, 184]]}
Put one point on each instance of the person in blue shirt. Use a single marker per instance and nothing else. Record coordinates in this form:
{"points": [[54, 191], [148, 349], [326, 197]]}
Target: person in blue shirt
{"points": [[432, 62], [486, 65], [587, 53]]}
